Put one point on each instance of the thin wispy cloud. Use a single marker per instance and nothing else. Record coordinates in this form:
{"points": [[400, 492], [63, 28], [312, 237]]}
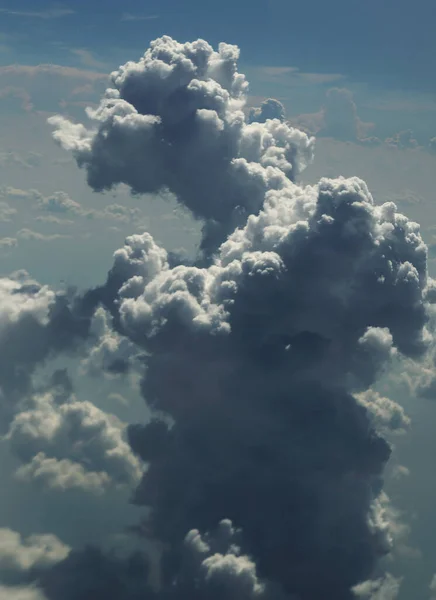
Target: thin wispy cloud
{"points": [[294, 75], [51, 69], [131, 17], [49, 13], [87, 58]]}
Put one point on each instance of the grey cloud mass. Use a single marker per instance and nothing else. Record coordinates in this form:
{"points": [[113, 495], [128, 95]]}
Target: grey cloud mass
{"points": [[67, 444], [255, 361], [36, 324], [269, 109], [20, 556], [20, 593], [261, 468], [340, 115]]}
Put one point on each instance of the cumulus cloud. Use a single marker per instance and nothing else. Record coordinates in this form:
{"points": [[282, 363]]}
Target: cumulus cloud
{"points": [[388, 415], [340, 115], [214, 567], [59, 202], [386, 588], [403, 140], [20, 593], [174, 120], [338, 118], [29, 235], [269, 109], [59, 205], [109, 353], [68, 444], [22, 557], [6, 212], [266, 451], [255, 359], [7, 243], [36, 323]]}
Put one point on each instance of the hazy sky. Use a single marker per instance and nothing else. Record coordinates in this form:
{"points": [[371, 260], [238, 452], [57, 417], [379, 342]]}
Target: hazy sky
{"points": [[358, 77]]}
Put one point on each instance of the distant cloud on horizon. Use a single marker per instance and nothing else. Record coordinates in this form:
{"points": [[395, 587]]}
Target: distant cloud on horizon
{"points": [[48, 13], [87, 58], [275, 74], [131, 17]]}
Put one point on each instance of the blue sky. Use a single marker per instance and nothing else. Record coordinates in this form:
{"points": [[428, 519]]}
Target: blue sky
{"points": [[389, 43], [383, 51]]}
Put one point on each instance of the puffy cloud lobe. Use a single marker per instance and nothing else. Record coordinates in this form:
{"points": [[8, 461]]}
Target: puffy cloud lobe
{"points": [[351, 248], [20, 593], [20, 558], [214, 566], [174, 120], [388, 415], [23, 560], [59, 202], [134, 265], [35, 324], [24, 312], [386, 588], [71, 445], [109, 352], [61, 475]]}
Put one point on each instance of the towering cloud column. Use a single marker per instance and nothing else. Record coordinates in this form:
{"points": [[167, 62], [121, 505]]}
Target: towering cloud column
{"points": [[264, 462]]}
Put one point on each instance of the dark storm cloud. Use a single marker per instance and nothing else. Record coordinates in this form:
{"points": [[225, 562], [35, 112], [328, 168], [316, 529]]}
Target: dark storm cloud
{"points": [[91, 574], [316, 288], [174, 120], [266, 451]]}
